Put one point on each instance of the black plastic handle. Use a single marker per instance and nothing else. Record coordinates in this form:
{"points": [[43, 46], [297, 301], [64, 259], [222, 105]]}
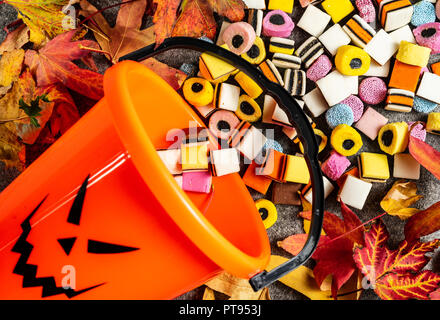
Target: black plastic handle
{"points": [[296, 117]]}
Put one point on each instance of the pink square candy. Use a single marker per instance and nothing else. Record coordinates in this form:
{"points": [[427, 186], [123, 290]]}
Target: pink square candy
{"points": [[197, 181], [371, 122], [335, 165]]}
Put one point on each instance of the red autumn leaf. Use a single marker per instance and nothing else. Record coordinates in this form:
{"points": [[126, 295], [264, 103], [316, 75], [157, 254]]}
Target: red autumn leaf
{"points": [[174, 77], [423, 223], [65, 112], [294, 243], [195, 20], [395, 274], [53, 64], [426, 155], [164, 18], [231, 9]]}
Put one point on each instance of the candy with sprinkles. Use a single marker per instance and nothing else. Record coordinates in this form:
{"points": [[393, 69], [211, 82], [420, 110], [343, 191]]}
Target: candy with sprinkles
{"points": [[376, 70], [321, 138], [355, 191], [314, 21], [433, 123], [424, 12], [372, 90], [359, 31], [277, 24], [320, 68], [399, 100], [309, 51], [197, 181], [255, 19], [428, 35], [402, 34], [286, 61], [222, 123], [373, 167], [356, 105], [339, 114], [224, 161], [248, 85], [381, 47], [315, 102], [286, 193], [346, 140], [429, 87], [404, 76], [256, 181], [198, 91], [239, 37], [335, 165], [335, 87], [271, 72], [248, 109], [423, 105], [257, 53], [282, 45], [370, 123], [413, 54], [333, 38], [255, 4], [366, 10], [284, 5], [295, 82], [394, 14], [352, 61], [268, 212], [226, 96], [338, 9], [417, 130], [406, 167], [393, 137]]}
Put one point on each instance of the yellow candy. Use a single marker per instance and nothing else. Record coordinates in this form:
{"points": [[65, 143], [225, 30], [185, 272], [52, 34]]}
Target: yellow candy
{"points": [[296, 170], [346, 140], [352, 61], [393, 137], [198, 92], [337, 9], [257, 53], [373, 167], [213, 68], [268, 212], [248, 110], [413, 54], [194, 156], [248, 85], [433, 124], [285, 5], [322, 140]]}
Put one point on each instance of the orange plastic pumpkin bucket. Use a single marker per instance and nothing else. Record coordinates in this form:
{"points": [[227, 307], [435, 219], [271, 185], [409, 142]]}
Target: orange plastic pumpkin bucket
{"points": [[99, 212]]}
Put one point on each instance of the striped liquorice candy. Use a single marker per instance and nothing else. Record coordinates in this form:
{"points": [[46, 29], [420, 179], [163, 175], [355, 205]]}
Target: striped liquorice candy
{"points": [[295, 82], [282, 45], [271, 72], [286, 61], [309, 51], [399, 100], [255, 19], [394, 14], [359, 31]]}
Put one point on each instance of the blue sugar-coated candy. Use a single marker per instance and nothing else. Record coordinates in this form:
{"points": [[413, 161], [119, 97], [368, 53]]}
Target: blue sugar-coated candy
{"points": [[423, 105], [272, 144], [339, 114], [424, 12], [188, 68]]}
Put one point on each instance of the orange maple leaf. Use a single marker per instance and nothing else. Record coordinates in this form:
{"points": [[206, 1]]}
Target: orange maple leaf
{"points": [[395, 274], [426, 155], [164, 18], [423, 223], [53, 64]]}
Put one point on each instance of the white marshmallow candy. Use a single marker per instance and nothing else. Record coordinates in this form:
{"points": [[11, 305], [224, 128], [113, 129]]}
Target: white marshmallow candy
{"points": [[429, 87], [355, 192], [255, 4], [228, 96], [376, 70], [252, 143], [402, 34], [334, 38], [335, 87], [171, 159], [225, 161], [406, 167], [314, 21], [315, 102], [328, 188], [381, 48]]}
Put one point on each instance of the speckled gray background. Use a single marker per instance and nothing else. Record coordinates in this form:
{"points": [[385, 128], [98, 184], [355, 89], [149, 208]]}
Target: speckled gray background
{"points": [[288, 223]]}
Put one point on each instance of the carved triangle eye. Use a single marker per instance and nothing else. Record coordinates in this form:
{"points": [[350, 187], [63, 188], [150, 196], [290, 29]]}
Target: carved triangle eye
{"points": [[67, 244]]}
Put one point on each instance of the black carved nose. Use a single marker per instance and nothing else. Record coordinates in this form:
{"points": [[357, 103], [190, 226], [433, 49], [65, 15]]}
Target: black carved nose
{"points": [[67, 244]]}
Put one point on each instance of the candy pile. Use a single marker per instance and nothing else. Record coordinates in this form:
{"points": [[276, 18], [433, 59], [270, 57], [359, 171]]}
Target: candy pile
{"points": [[351, 70]]}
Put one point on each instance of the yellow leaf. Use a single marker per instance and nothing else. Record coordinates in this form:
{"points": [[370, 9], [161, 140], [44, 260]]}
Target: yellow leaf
{"points": [[11, 150], [236, 288], [264, 294], [15, 39], [307, 206], [306, 226], [302, 280], [10, 67], [398, 199]]}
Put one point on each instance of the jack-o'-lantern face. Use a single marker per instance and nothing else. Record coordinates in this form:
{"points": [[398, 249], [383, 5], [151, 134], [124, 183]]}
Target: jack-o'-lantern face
{"points": [[49, 285]]}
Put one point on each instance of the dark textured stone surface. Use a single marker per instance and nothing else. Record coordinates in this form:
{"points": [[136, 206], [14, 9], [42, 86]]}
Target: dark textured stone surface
{"points": [[288, 223]]}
